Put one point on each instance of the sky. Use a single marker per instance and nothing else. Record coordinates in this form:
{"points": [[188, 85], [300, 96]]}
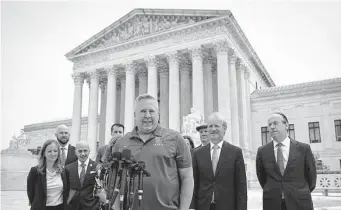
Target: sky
{"points": [[297, 41]]}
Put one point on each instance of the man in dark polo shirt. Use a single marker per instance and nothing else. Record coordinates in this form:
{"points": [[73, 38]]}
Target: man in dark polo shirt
{"points": [[166, 155], [202, 129]]}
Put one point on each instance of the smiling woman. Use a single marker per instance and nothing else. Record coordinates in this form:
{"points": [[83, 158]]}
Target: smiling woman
{"points": [[46, 182]]}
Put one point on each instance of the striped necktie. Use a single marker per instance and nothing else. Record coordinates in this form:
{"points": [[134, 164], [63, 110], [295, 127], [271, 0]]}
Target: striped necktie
{"points": [[63, 156], [82, 175]]}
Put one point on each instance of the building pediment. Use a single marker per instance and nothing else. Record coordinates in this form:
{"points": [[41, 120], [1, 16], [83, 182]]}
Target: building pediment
{"points": [[141, 23]]}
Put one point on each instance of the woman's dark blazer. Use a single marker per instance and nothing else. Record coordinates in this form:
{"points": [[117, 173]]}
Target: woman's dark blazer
{"points": [[36, 189]]}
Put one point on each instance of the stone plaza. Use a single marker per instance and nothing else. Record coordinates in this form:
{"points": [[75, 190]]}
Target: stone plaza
{"points": [[17, 200]]}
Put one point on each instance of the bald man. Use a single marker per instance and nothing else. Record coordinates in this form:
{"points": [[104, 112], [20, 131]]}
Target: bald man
{"points": [[80, 177], [67, 152]]}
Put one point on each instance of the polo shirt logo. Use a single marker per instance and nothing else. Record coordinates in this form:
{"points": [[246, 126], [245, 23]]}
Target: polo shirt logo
{"points": [[158, 142]]}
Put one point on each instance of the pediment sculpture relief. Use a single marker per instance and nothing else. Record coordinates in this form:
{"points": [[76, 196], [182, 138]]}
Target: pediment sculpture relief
{"points": [[140, 26]]}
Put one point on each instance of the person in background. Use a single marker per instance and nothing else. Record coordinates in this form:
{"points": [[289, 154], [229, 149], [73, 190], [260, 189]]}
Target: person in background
{"points": [[68, 154], [219, 171], [80, 177], [202, 129], [117, 131], [285, 169], [46, 183]]}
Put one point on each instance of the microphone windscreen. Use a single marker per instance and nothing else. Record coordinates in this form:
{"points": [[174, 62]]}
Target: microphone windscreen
{"points": [[117, 155], [126, 154], [142, 163]]}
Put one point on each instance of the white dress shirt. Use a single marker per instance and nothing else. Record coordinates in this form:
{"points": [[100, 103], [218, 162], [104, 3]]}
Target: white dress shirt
{"points": [[80, 166], [220, 144], [285, 149]]}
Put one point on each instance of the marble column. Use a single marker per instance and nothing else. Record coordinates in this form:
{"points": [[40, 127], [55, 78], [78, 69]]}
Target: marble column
{"points": [[198, 79], [234, 98], [118, 101], [208, 87], [122, 105], [243, 123], [151, 62], [174, 91], [164, 97], [185, 88], [78, 79], [248, 107], [93, 113], [111, 102], [223, 85], [142, 82], [215, 87], [103, 88], [129, 97]]}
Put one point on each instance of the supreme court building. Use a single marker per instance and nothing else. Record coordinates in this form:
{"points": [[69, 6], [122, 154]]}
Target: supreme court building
{"points": [[186, 59], [192, 60]]}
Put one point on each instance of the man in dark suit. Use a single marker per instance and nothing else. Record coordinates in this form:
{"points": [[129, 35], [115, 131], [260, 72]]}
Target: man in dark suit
{"points": [[80, 176], [202, 129], [285, 169], [219, 172], [67, 154]]}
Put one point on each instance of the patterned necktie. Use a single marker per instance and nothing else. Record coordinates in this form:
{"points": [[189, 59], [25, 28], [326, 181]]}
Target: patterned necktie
{"points": [[215, 158], [82, 175], [280, 158], [63, 157]]}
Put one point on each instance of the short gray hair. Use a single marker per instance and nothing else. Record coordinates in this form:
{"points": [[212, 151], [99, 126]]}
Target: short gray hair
{"points": [[145, 97], [218, 116]]}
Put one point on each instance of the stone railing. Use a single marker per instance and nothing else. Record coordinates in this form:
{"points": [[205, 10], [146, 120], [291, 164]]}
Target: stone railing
{"points": [[328, 183]]}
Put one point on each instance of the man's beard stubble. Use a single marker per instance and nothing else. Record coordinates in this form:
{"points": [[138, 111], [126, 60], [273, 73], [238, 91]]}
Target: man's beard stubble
{"points": [[61, 142]]}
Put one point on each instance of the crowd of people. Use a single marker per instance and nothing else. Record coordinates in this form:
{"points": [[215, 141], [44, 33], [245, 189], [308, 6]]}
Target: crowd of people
{"points": [[211, 176]]}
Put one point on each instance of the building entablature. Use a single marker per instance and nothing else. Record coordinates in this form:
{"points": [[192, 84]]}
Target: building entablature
{"points": [[52, 124], [323, 88]]}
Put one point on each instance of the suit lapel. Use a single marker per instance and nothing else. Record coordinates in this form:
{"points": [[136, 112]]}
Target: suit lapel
{"points": [[207, 159], [222, 157], [88, 169], [292, 154], [75, 173], [43, 181], [271, 151]]}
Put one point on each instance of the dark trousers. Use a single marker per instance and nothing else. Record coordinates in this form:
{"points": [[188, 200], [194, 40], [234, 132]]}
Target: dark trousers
{"points": [[212, 206], [283, 206], [59, 207]]}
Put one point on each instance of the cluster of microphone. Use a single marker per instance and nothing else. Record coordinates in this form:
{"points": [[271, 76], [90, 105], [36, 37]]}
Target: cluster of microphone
{"points": [[118, 178]]}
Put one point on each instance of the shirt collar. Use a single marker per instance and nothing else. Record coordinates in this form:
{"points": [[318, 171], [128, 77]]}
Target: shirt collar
{"points": [[66, 146], [86, 162], [285, 142], [156, 132], [220, 144]]}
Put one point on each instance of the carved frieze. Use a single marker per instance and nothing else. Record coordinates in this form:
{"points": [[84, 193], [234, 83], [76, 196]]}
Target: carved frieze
{"points": [[142, 25], [179, 37]]}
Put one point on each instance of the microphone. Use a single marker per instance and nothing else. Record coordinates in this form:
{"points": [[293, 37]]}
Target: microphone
{"points": [[126, 157], [116, 168]]}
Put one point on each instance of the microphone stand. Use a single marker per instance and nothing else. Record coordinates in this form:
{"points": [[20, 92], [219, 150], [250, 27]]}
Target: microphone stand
{"points": [[142, 172]]}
